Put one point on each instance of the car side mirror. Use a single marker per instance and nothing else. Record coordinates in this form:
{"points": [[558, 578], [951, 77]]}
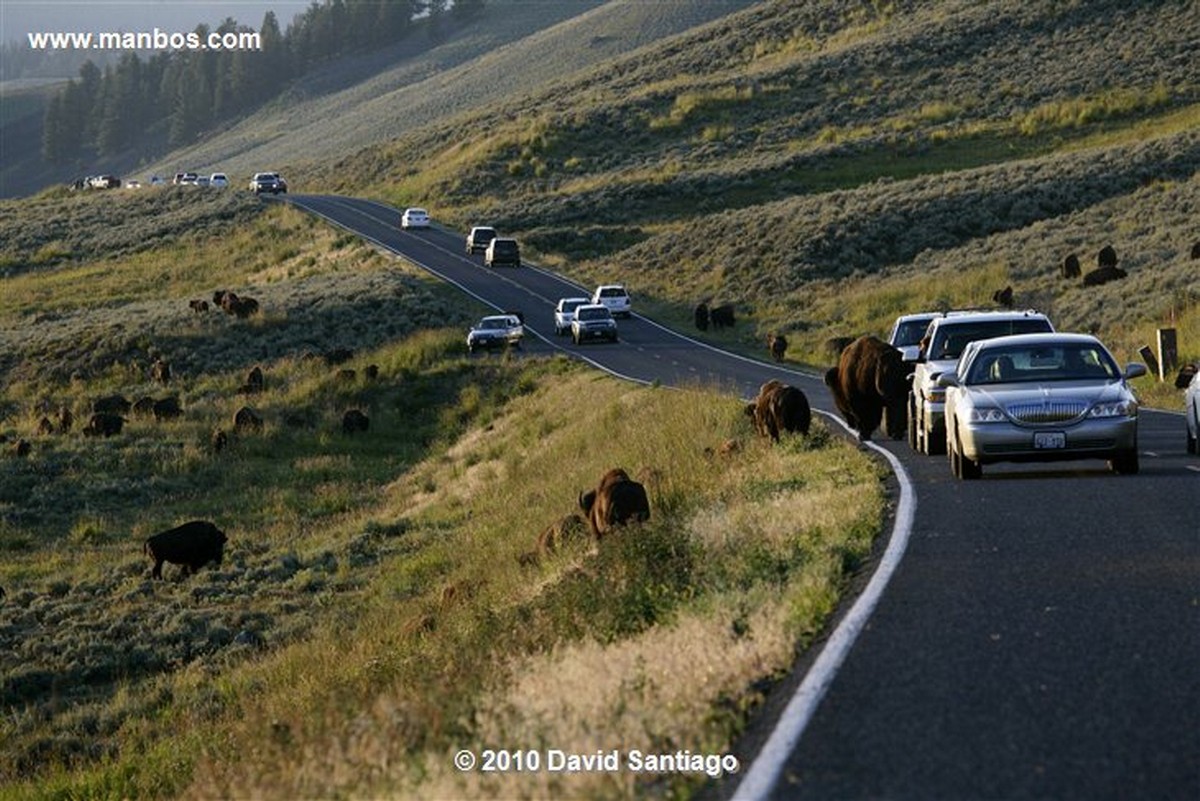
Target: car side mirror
{"points": [[947, 379], [1134, 370]]}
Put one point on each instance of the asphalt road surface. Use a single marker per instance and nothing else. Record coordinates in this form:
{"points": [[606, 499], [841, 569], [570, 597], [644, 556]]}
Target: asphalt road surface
{"points": [[1039, 638]]}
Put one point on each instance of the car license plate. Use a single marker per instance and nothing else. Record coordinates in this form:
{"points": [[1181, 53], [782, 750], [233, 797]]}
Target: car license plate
{"points": [[1047, 440]]}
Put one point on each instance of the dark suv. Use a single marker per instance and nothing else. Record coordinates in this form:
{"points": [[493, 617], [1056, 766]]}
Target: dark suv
{"points": [[502, 251]]}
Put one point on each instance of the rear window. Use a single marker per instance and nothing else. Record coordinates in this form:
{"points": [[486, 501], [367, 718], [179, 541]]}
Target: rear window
{"points": [[613, 292], [949, 340], [909, 332], [505, 246], [572, 305]]}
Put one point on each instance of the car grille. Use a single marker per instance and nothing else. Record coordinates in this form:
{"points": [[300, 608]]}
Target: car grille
{"points": [[1047, 411]]}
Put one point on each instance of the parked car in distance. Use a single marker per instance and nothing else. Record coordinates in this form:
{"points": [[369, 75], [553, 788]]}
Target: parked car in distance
{"points": [[104, 182], [134, 184], [1191, 410], [268, 182], [479, 237], [564, 313], [907, 332], [502, 251], [202, 180], [947, 337], [615, 298], [219, 180], [495, 331], [414, 218], [185, 179], [1039, 398], [593, 321]]}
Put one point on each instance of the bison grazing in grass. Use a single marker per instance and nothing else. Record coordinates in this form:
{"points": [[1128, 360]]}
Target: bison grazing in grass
{"points": [[192, 545], [111, 404], [103, 424], [198, 306], [778, 345], [167, 408], [1003, 297], [354, 420], [870, 384], [254, 382], [779, 407], [246, 420], [722, 316], [1070, 266], [616, 501], [700, 315], [1102, 275], [1107, 257]]}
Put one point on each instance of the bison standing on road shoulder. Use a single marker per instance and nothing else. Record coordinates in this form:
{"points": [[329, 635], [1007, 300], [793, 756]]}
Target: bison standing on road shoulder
{"points": [[870, 384], [192, 545], [779, 407], [616, 501]]}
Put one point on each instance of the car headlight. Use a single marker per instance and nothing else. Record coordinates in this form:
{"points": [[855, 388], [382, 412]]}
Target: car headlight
{"points": [[986, 414], [1125, 408]]}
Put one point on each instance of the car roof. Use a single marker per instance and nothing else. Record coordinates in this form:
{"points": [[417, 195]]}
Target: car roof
{"points": [[967, 318], [575, 300], [1044, 338], [610, 286], [482, 228], [592, 306]]}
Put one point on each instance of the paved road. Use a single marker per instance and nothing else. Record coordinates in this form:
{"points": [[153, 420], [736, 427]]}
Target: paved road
{"points": [[1041, 635]]}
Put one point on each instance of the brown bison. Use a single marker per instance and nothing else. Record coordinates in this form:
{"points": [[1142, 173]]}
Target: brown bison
{"points": [[1102, 275], [354, 420], [247, 420], [254, 382], [144, 406], [45, 427], [218, 440], [722, 316], [21, 448], [167, 408], [700, 316], [1107, 257], [198, 306], [1070, 266], [835, 345], [103, 424], [778, 345], [192, 545], [1003, 297], [1196, 251], [160, 371], [779, 407], [870, 384], [371, 372], [617, 500]]}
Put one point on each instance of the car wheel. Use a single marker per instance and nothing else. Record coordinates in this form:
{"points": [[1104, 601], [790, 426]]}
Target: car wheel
{"points": [[962, 467], [1125, 464]]}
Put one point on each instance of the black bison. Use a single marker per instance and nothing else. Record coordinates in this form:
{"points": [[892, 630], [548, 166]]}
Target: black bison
{"points": [[103, 424], [1003, 297], [45, 427], [347, 375], [192, 545], [1107, 257], [218, 441], [354, 420], [198, 306], [778, 345], [254, 382], [1102, 275], [371, 372], [167, 408], [65, 419], [721, 316], [160, 371], [21, 448], [247, 420], [700, 315], [1070, 266], [779, 407], [617, 500], [870, 384], [111, 404], [1196, 251], [559, 533], [143, 407]]}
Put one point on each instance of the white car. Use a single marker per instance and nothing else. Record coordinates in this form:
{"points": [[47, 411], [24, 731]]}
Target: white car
{"points": [[1040, 398], [496, 331], [564, 313], [268, 182], [907, 332], [479, 238], [1191, 406], [615, 298], [414, 218], [219, 180]]}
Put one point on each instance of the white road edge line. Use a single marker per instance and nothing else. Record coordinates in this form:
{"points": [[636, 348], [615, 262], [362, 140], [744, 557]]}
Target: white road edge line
{"points": [[760, 779]]}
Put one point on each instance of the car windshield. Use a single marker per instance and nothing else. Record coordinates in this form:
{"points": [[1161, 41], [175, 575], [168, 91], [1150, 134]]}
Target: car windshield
{"points": [[1068, 361], [593, 314], [493, 323], [949, 340], [909, 332]]}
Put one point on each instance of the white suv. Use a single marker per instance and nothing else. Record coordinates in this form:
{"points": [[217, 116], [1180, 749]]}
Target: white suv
{"points": [[564, 313], [947, 337], [615, 298]]}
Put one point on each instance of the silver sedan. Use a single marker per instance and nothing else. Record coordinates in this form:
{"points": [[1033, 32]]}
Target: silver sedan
{"points": [[1040, 397]]}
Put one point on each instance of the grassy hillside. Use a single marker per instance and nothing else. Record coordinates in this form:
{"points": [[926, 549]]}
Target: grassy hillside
{"points": [[377, 609], [805, 160]]}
